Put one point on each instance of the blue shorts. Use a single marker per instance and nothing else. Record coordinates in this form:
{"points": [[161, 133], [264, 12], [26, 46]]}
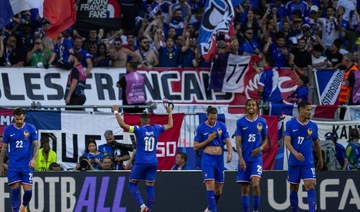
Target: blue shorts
{"points": [[296, 173], [213, 167], [144, 171], [23, 175], [252, 169]]}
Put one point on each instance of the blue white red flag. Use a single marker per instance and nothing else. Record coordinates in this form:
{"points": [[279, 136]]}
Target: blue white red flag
{"points": [[228, 72], [328, 85], [9, 8], [217, 17]]}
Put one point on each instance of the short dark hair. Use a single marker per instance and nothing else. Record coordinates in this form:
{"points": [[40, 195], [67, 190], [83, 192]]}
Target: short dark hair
{"points": [[303, 104], [305, 79], [318, 48], [143, 37], [133, 65], [183, 155], [354, 133], [145, 116], [257, 103], [19, 111], [211, 110]]}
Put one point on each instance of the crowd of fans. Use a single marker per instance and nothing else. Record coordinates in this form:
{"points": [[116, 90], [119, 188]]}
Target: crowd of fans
{"points": [[297, 33]]}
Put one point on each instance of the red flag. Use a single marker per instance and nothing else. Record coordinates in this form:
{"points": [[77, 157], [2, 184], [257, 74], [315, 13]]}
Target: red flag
{"points": [[6, 117], [168, 140], [325, 111], [271, 148], [60, 14]]}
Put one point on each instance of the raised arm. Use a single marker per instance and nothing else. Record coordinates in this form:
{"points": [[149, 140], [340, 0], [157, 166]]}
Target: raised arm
{"points": [[170, 123], [120, 120]]}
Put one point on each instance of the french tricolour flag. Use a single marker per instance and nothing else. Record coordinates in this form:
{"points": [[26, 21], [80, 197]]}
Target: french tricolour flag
{"points": [[9, 8]]}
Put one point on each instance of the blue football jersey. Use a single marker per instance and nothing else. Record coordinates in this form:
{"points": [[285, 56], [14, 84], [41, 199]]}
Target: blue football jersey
{"points": [[146, 141], [302, 138], [20, 144], [203, 131], [252, 133]]}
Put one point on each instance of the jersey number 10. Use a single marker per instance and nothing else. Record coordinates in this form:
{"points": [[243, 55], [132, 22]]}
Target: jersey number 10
{"points": [[149, 143]]}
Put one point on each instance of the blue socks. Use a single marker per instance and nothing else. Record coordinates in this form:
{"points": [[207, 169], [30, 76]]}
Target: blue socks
{"points": [[15, 199], [211, 201], [311, 200], [27, 197], [294, 200], [256, 202], [135, 193], [245, 200], [150, 196]]}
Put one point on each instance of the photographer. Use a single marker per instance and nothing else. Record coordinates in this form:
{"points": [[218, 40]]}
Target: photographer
{"points": [[39, 56], [118, 151], [84, 164]]}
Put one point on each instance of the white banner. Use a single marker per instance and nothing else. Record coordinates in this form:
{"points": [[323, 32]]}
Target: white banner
{"points": [[76, 129], [22, 86]]}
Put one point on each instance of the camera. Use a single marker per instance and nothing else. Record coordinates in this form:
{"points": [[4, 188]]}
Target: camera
{"points": [[83, 162], [125, 147]]}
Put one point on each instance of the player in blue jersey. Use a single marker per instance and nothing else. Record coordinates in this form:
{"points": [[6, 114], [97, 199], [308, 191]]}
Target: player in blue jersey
{"points": [[251, 139], [211, 136], [299, 136], [146, 162], [22, 139]]}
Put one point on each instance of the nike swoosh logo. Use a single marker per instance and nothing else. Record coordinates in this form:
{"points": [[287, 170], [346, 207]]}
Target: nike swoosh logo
{"points": [[12, 135], [244, 128], [206, 133], [295, 130]]}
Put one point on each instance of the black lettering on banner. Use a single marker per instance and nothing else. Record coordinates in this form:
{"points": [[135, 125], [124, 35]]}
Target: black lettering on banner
{"points": [[58, 88], [235, 70], [119, 137], [343, 132], [208, 92], [88, 86], [153, 86], [168, 89], [95, 137], [100, 87], [191, 86], [7, 89], [30, 86], [74, 147]]}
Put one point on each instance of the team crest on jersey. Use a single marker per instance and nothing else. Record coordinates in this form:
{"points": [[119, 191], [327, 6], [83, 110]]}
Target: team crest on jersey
{"points": [[259, 127], [219, 131], [26, 134], [309, 132]]}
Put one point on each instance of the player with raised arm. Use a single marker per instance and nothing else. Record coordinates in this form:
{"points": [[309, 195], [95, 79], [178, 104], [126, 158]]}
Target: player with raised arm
{"points": [[22, 138], [146, 162], [299, 136], [211, 136], [251, 139]]}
